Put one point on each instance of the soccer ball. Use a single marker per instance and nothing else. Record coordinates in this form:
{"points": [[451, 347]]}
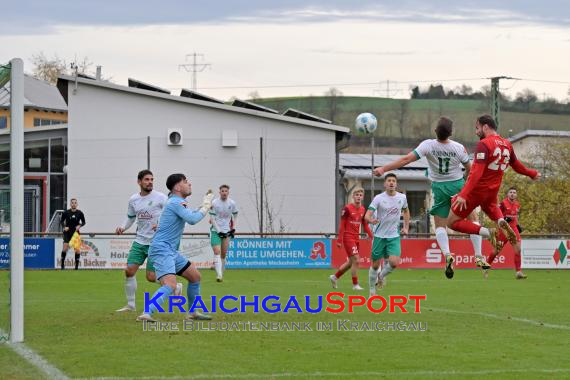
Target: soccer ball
{"points": [[366, 123]]}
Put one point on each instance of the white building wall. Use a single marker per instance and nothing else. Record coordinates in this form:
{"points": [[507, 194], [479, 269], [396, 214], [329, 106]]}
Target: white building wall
{"points": [[107, 147]]}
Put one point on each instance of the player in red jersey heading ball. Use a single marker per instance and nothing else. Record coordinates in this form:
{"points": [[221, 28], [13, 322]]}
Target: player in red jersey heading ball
{"points": [[351, 218], [493, 156]]}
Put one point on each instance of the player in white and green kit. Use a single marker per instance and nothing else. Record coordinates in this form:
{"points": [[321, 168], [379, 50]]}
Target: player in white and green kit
{"points": [[384, 213], [446, 160], [223, 217], [145, 208]]}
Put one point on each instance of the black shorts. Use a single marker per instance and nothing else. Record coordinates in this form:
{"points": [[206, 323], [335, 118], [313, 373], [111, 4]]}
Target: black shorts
{"points": [[67, 235]]}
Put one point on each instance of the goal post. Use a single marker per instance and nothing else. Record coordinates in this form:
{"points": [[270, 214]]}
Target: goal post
{"points": [[16, 200]]}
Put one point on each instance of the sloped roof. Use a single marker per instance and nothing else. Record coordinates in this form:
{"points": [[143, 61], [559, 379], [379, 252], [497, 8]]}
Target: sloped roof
{"points": [[538, 133], [359, 166], [37, 94], [62, 86], [356, 161], [402, 174]]}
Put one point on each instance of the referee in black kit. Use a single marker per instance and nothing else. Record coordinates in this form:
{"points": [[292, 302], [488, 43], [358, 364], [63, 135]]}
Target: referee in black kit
{"points": [[71, 220]]}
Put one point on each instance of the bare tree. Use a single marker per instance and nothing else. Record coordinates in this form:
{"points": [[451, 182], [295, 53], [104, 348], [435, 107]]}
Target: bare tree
{"points": [[268, 212], [48, 69]]}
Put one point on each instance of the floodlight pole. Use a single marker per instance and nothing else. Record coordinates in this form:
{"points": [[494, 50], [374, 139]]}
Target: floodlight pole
{"points": [[372, 178], [17, 201]]}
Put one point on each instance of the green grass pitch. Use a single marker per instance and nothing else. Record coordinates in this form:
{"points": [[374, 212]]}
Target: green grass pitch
{"points": [[476, 328]]}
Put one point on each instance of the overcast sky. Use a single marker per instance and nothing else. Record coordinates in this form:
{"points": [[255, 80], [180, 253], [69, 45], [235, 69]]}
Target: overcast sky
{"points": [[289, 48]]}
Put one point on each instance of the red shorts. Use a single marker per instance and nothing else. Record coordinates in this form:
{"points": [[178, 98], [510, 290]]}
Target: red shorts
{"points": [[503, 239], [488, 203], [351, 247]]}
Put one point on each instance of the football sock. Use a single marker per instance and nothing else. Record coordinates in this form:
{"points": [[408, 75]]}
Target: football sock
{"points": [[477, 242], [492, 258], [218, 265], [223, 265], [354, 280], [192, 290], [483, 231], [130, 290], [77, 256], [466, 226], [166, 291], [372, 276], [338, 274], [442, 240], [386, 270], [517, 262], [63, 254]]}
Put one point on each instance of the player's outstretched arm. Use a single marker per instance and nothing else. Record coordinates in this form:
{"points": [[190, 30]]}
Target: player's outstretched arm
{"points": [[407, 159], [189, 216], [521, 169]]}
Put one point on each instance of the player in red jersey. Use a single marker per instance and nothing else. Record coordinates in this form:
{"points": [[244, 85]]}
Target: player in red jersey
{"points": [[510, 208], [493, 156], [351, 218]]}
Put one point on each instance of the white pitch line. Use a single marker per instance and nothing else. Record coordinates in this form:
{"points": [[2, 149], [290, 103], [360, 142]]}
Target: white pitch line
{"points": [[502, 318], [436, 374], [35, 359]]}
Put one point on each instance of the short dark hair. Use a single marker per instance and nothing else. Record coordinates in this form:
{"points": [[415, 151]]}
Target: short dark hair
{"points": [[224, 186], [73, 199], [390, 175], [143, 173], [512, 188], [444, 128], [487, 119], [173, 179]]}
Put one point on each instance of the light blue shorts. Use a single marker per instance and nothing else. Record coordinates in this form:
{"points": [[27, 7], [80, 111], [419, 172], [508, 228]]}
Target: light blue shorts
{"points": [[167, 262]]}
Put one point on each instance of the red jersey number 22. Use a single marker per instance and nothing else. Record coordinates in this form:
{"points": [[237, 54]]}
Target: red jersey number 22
{"points": [[501, 160]]}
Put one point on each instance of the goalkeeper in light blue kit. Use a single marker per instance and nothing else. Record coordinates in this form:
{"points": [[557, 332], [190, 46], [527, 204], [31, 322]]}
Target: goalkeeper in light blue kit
{"points": [[163, 252]]}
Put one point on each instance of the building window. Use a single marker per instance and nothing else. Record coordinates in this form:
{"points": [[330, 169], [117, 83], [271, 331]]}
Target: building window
{"points": [[3, 122], [43, 122]]}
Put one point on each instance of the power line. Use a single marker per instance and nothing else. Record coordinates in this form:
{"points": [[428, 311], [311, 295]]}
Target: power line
{"points": [[194, 68], [373, 84], [545, 81], [331, 84]]}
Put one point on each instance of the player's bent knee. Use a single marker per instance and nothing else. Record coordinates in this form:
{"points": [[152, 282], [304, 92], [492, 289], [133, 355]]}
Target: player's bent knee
{"points": [[131, 271], [192, 274], [394, 261], [150, 276]]}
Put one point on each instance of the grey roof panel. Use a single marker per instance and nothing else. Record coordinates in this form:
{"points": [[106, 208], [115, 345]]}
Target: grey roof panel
{"points": [[86, 76], [305, 116], [365, 161], [252, 106], [196, 95], [418, 175], [538, 133], [146, 86], [37, 93]]}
